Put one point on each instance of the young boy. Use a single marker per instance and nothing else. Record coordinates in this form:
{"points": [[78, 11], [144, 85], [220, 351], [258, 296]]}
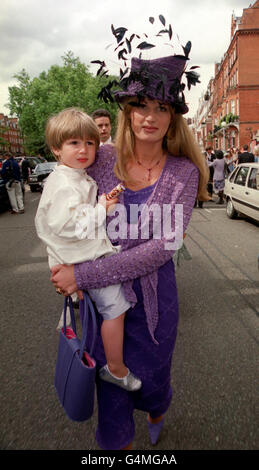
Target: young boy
{"points": [[72, 225]]}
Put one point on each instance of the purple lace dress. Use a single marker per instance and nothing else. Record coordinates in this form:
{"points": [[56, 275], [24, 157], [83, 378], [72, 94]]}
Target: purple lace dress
{"points": [[148, 361], [149, 283]]}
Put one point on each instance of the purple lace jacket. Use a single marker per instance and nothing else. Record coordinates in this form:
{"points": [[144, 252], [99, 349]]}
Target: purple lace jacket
{"points": [[140, 258]]}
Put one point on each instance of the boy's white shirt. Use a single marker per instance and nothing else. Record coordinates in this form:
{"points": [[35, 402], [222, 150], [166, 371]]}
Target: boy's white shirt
{"points": [[69, 220]]}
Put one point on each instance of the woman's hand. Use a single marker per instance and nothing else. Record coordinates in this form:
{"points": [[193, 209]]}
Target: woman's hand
{"points": [[63, 277], [109, 205]]}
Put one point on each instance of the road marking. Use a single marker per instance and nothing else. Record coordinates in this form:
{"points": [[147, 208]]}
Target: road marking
{"points": [[216, 209]]}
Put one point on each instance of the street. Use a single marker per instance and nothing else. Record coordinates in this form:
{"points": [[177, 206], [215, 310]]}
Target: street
{"points": [[215, 361]]}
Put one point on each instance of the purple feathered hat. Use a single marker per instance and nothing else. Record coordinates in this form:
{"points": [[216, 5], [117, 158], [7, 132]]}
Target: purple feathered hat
{"points": [[159, 79]]}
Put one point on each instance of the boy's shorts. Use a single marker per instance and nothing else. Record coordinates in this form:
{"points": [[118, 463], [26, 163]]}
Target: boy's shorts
{"points": [[110, 301]]}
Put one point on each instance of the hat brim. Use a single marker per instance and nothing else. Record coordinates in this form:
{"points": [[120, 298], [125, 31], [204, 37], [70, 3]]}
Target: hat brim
{"points": [[120, 96]]}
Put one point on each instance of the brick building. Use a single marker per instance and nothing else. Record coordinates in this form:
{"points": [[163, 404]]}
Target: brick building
{"points": [[10, 136], [228, 112]]}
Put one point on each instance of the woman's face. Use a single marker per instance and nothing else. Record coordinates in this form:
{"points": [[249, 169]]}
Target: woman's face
{"points": [[150, 120]]}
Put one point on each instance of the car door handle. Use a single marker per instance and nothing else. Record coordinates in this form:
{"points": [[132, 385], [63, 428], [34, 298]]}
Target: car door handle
{"points": [[246, 192]]}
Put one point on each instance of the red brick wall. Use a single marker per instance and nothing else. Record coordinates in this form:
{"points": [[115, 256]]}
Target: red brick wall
{"points": [[245, 90]]}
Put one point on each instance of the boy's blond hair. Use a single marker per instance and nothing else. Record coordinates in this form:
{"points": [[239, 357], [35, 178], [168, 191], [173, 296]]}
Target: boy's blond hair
{"points": [[179, 140], [68, 124]]}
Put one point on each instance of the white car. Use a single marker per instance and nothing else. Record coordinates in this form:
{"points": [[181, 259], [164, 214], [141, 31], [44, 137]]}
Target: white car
{"points": [[242, 191]]}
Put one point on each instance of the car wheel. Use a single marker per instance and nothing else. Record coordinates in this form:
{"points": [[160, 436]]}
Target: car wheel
{"points": [[231, 212], [33, 189]]}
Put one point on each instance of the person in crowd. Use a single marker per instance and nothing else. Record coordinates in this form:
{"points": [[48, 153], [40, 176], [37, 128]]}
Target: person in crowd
{"points": [[210, 158], [235, 153], [25, 166], [199, 203], [218, 175], [229, 160], [102, 118], [161, 166], [11, 175], [256, 153], [67, 218], [245, 156]]}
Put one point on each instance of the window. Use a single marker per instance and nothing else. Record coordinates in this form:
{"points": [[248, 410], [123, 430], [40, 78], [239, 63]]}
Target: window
{"points": [[231, 179], [242, 175], [253, 181], [233, 106]]}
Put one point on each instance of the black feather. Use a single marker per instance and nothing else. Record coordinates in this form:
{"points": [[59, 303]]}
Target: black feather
{"points": [[162, 19], [121, 54], [170, 32], [187, 48], [145, 45], [128, 46], [119, 33], [192, 79]]}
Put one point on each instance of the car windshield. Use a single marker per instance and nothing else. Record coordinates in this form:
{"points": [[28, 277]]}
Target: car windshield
{"points": [[45, 166]]}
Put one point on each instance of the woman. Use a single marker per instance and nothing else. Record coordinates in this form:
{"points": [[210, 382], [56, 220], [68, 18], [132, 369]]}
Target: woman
{"points": [[229, 160], [157, 159], [218, 175], [256, 153]]}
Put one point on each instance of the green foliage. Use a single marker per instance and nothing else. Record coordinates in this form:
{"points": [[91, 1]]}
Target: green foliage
{"points": [[3, 142], [34, 100], [230, 117]]}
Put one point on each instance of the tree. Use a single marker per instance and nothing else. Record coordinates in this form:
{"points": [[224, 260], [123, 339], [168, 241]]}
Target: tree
{"points": [[34, 100], [3, 142]]}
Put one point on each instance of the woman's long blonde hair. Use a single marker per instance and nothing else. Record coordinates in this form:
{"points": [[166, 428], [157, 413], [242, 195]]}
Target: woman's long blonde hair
{"points": [[178, 141]]}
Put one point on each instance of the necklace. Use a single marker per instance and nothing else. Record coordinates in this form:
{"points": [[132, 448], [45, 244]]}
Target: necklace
{"points": [[149, 169]]}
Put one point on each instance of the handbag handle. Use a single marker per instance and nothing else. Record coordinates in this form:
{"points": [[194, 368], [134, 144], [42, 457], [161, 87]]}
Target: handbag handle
{"points": [[72, 315], [87, 310]]}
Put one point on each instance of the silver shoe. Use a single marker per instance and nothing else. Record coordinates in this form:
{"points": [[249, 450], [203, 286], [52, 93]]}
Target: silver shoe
{"points": [[130, 382]]}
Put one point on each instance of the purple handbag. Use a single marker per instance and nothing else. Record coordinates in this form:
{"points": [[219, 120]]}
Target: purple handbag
{"points": [[76, 368]]}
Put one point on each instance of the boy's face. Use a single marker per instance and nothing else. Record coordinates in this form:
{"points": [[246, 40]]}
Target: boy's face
{"points": [[76, 153]]}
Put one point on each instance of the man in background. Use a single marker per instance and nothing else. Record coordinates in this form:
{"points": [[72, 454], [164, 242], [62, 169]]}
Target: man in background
{"points": [[102, 119], [11, 175], [210, 158], [245, 156]]}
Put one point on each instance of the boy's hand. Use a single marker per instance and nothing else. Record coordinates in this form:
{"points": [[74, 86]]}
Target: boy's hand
{"points": [[108, 205], [80, 294]]}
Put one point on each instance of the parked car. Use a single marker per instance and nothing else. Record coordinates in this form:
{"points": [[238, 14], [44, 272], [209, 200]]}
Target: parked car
{"points": [[242, 191], [39, 174], [33, 161]]}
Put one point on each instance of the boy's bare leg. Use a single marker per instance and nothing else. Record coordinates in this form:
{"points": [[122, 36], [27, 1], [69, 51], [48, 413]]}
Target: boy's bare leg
{"points": [[112, 332]]}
